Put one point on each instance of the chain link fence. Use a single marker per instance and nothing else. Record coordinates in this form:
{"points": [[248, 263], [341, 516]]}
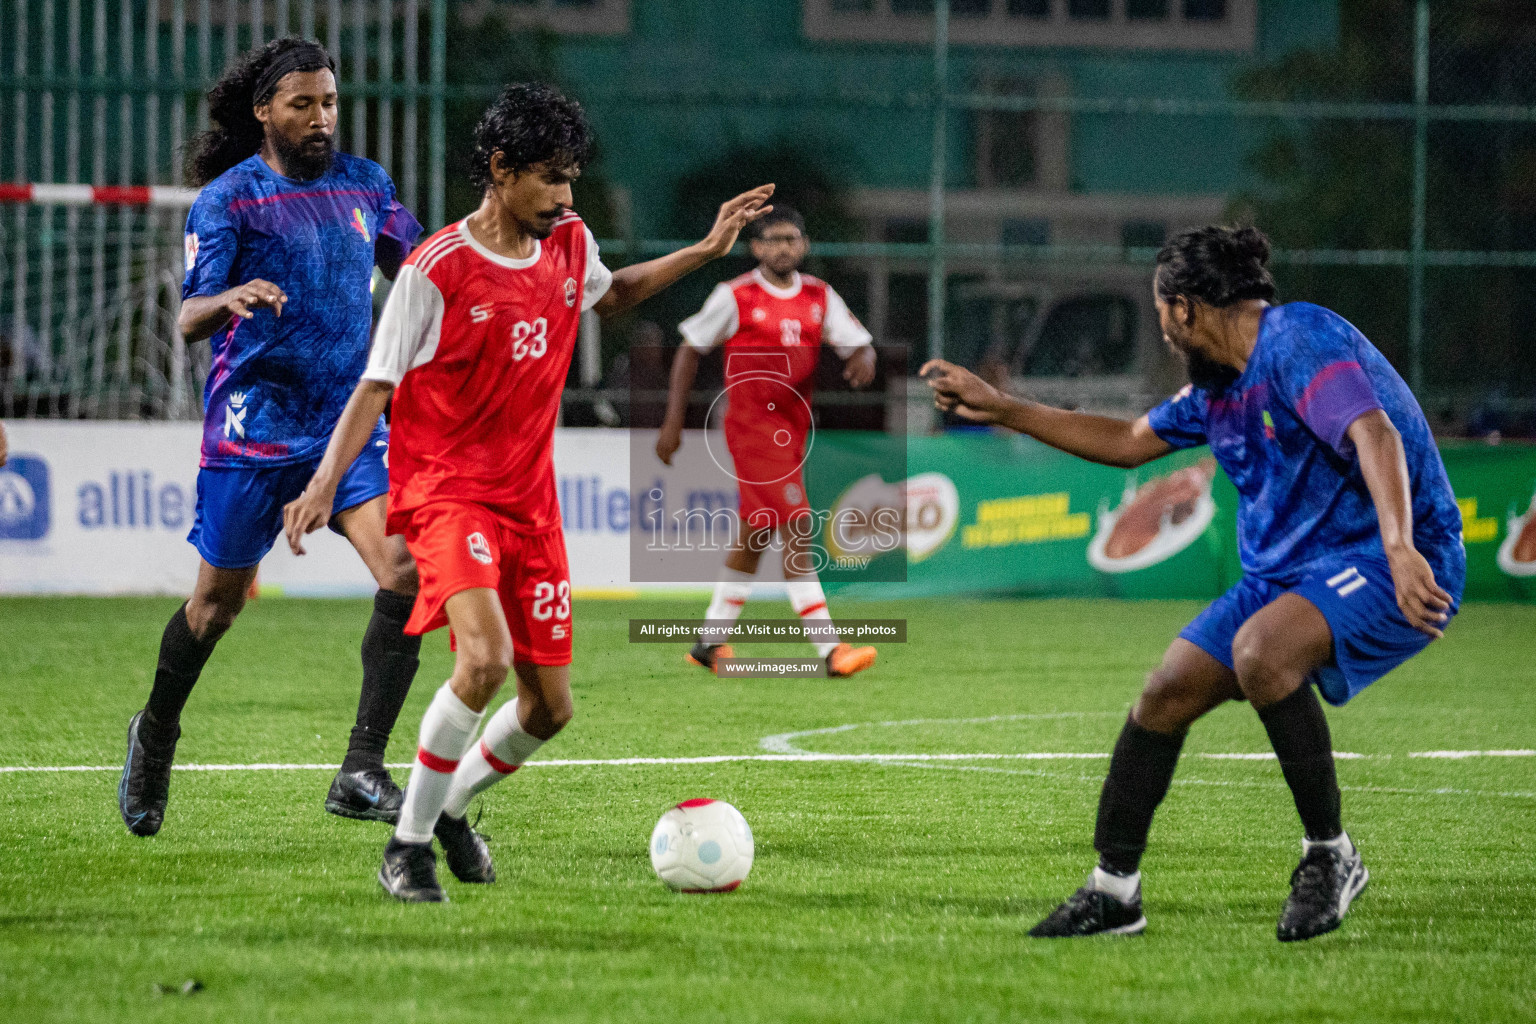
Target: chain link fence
{"points": [[1008, 220]]}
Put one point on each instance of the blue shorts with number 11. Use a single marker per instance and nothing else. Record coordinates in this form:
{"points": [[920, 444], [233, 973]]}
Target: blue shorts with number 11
{"points": [[1356, 595]]}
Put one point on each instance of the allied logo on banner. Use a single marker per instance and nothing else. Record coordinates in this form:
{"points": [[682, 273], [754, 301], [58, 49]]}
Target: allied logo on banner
{"points": [[24, 499]]}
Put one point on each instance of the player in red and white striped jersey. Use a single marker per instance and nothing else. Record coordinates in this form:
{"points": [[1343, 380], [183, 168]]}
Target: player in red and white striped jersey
{"points": [[473, 347], [772, 323]]}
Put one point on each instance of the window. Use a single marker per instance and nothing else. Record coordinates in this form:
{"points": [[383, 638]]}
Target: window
{"points": [[1143, 234], [905, 230], [571, 17], [1084, 337], [1146, 9], [1211, 25], [1205, 10], [1027, 231], [1006, 140], [1088, 8]]}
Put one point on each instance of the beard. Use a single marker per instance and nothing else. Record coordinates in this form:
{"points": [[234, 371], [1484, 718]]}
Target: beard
{"points": [[307, 159], [1207, 374]]}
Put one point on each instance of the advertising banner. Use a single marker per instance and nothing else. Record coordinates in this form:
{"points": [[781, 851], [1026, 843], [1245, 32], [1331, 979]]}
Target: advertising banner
{"points": [[104, 508], [1006, 514]]}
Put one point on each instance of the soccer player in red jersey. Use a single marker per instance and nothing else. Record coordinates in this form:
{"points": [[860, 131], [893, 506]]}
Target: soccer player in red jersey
{"points": [[473, 347], [772, 323]]}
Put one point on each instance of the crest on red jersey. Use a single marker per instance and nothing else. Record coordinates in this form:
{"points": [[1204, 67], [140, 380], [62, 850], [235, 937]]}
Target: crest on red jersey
{"points": [[479, 548], [759, 314], [815, 312], [570, 292]]}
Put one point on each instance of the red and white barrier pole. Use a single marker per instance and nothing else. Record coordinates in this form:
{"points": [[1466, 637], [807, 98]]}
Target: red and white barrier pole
{"points": [[162, 196]]}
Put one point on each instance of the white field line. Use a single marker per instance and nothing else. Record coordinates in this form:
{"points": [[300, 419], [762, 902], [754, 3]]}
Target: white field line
{"points": [[1457, 755]]}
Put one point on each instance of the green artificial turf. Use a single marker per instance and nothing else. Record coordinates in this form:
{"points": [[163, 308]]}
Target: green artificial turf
{"points": [[881, 892]]}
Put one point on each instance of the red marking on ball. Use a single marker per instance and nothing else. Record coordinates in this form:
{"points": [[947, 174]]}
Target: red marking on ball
{"points": [[696, 802]]}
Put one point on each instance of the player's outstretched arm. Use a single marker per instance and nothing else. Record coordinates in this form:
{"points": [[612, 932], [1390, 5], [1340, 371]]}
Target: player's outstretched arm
{"points": [[312, 509], [685, 367], [201, 315], [1102, 439], [634, 284], [1379, 447]]}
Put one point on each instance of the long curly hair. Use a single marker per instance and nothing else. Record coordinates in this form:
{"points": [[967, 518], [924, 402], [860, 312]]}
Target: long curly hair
{"points": [[529, 124], [236, 134]]}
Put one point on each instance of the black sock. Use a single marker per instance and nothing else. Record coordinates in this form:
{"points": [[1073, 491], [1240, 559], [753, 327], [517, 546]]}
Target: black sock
{"points": [[1298, 730], [389, 665], [1140, 772], [182, 657]]}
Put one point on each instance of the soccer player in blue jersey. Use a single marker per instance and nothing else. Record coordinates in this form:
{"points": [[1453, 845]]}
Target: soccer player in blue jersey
{"points": [[280, 250], [1350, 540]]}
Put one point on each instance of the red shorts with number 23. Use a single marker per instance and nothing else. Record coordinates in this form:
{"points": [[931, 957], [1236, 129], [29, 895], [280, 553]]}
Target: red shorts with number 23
{"points": [[460, 546]]}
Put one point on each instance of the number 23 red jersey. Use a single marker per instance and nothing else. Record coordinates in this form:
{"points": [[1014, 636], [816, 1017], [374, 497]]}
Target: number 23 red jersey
{"points": [[478, 347]]}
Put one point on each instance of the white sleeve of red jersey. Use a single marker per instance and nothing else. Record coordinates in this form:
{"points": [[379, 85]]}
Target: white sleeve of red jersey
{"points": [[409, 327], [599, 277], [841, 329], [716, 322]]}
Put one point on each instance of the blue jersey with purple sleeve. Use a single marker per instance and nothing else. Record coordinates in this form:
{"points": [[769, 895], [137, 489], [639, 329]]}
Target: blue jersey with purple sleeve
{"points": [[1279, 434], [278, 384]]}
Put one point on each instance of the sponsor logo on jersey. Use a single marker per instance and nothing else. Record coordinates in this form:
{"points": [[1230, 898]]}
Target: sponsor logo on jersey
{"points": [[1269, 426], [481, 313], [479, 548], [24, 501], [234, 415], [789, 332], [793, 494], [570, 292], [191, 250], [360, 221]]}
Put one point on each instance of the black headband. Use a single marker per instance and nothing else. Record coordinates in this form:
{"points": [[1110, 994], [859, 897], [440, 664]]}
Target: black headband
{"points": [[306, 57]]}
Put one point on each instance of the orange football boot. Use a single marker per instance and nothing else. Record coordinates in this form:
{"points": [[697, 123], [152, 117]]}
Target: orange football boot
{"points": [[846, 661], [704, 655]]}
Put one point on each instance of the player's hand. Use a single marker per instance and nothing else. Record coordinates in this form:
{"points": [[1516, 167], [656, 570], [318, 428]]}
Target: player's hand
{"points": [[958, 390], [306, 514], [243, 298], [667, 444], [1423, 602], [734, 215], [859, 370]]}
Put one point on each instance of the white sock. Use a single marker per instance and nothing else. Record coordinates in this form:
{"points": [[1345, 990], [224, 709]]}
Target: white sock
{"points": [[1341, 843], [446, 730], [501, 751], [731, 594], [1122, 887], [806, 597]]}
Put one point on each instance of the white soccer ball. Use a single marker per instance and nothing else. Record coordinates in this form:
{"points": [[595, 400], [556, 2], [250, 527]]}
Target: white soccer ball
{"points": [[702, 846]]}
